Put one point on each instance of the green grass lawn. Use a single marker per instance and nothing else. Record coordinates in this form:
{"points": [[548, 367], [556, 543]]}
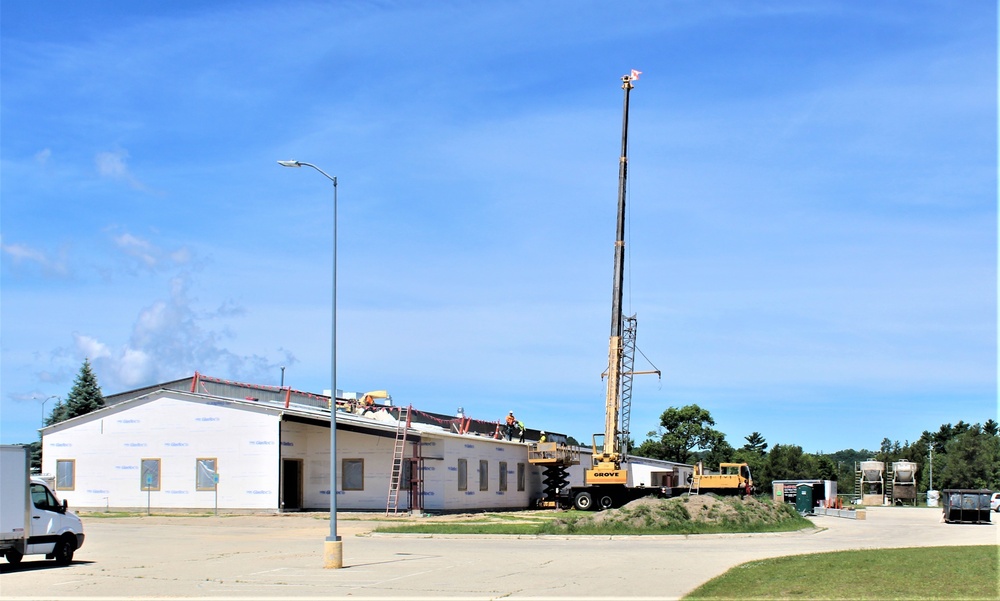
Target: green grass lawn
{"points": [[142, 514], [920, 573], [462, 528]]}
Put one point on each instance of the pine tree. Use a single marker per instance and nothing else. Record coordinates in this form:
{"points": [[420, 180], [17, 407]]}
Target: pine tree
{"points": [[85, 397], [58, 414], [755, 443]]}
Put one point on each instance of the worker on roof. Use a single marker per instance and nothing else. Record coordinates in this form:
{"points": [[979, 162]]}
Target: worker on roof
{"points": [[510, 425], [520, 429], [368, 403]]}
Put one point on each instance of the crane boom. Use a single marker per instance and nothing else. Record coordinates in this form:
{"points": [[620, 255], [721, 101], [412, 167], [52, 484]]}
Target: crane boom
{"points": [[606, 447], [613, 406]]}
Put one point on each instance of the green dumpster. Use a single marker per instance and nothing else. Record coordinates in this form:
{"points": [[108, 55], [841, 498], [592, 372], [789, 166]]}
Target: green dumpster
{"points": [[804, 498]]}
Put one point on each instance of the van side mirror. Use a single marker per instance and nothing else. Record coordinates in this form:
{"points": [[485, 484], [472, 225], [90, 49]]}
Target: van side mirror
{"points": [[65, 505]]}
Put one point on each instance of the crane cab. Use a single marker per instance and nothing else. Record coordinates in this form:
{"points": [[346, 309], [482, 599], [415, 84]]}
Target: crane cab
{"points": [[606, 465]]}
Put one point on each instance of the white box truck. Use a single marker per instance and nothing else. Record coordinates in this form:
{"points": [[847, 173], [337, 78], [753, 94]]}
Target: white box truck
{"points": [[32, 520]]}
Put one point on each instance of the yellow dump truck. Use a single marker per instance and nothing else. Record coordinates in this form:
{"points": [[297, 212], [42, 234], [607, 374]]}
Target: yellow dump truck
{"points": [[731, 479]]}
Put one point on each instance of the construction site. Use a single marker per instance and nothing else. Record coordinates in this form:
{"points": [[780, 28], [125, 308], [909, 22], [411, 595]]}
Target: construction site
{"points": [[203, 441]]}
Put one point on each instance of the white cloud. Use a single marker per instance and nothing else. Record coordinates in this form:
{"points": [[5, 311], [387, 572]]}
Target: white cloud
{"points": [[90, 347], [134, 247], [43, 156], [22, 254], [147, 255], [170, 339], [112, 164], [181, 256], [152, 321], [134, 367]]}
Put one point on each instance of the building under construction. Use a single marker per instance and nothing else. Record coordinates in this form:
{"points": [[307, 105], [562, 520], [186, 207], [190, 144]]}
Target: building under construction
{"points": [[202, 442]]}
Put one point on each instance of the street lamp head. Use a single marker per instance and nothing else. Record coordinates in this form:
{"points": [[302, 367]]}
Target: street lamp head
{"points": [[301, 164]]}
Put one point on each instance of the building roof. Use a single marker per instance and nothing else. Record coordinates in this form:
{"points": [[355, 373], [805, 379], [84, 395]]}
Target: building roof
{"points": [[226, 388], [294, 400], [291, 405], [304, 407]]}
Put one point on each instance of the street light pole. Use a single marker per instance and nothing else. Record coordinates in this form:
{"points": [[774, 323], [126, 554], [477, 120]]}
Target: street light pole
{"points": [[43, 406], [333, 551]]}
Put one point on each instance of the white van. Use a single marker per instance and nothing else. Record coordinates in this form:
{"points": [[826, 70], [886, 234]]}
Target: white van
{"points": [[32, 519]]}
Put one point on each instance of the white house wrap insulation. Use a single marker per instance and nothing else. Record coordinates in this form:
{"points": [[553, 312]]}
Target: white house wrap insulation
{"points": [[203, 443], [173, 449]]}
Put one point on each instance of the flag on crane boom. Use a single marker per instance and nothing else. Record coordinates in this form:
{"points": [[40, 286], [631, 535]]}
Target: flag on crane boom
{"points": [[635, 75]]}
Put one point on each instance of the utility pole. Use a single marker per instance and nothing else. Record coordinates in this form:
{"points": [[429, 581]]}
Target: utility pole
{"points": [[931, 487]]}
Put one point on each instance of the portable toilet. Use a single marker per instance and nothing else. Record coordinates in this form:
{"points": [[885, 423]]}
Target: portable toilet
{"points": [[804, 498]]}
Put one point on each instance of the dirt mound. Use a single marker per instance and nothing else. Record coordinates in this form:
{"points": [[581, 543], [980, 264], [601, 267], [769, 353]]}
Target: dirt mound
{"points": [[682, 513]]}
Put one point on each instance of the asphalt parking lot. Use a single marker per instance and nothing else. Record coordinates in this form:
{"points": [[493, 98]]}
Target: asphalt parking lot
{"points": [[281, 557]]}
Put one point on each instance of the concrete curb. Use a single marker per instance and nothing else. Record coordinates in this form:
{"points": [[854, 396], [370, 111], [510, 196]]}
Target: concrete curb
{"points": [[851, 514]]}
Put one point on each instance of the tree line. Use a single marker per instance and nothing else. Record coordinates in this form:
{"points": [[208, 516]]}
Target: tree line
{"points": [[955, 456]]}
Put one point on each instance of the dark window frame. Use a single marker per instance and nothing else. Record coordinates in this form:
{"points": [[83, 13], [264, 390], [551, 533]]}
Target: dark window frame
{"points": [[356, 463], [463, 474]]}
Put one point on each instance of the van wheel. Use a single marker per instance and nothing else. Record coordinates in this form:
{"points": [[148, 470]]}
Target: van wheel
{"points": [[606, 502], [14, 557], [63, 553], [583, 501]]}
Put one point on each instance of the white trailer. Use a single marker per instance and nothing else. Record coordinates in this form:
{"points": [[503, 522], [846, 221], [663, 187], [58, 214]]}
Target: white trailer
{"points": [[32, 520]]}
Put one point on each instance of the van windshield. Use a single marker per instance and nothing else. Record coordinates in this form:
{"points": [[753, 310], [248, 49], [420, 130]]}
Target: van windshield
{"points": [[42, 498]]}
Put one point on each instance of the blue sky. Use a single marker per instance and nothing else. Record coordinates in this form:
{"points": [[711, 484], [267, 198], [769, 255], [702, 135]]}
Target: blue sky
{"points": [[812, 206]]}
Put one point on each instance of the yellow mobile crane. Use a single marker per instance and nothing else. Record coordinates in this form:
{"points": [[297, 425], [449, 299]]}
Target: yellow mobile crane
{"points": [[607, 447], [606, 481]]}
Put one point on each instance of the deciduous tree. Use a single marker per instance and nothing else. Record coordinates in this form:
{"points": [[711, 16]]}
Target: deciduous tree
{"points": [[719, 451], [971, 460], [682, 430]]}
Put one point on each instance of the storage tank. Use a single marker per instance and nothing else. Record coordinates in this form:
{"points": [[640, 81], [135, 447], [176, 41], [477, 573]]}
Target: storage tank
{"points": [[872, 471], [904, 481], [904, 472]]}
